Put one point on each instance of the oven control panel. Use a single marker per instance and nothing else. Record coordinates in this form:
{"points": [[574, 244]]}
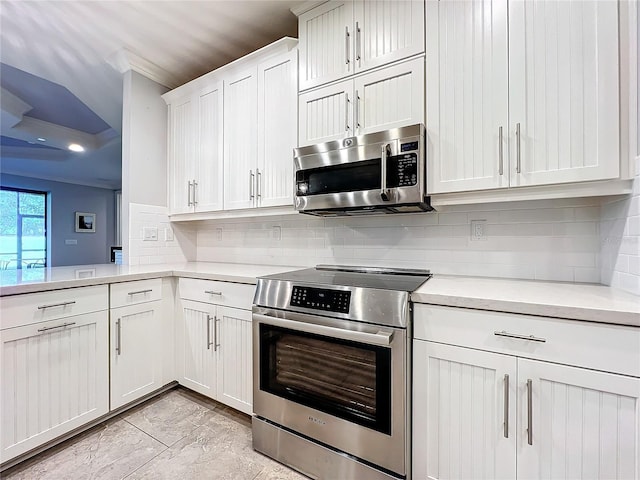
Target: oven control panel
{"points": [[321, 299]]}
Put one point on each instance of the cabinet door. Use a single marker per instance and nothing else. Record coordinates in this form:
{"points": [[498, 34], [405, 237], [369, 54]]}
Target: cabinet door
{"points": [[326, 114], [386, 31], [54, 378], [389, 98], [467, 95], [277, 128], [461, 428], [563, 91], [136, 358], [326, 43], [181, 155], [209, 178], [240, 124], [235, 380], [196, 352], [584, 423]]}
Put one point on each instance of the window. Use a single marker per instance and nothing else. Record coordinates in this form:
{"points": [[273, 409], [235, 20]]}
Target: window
{"points": [[23, 228]]}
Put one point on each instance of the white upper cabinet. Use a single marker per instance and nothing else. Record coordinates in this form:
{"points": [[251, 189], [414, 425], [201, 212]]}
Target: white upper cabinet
{"points": [[340, 38], [387, 98], [521, 93], [181, 155], [326, 43], [208, 190], [563, 91], [387, 31], [240, 125], [277, 116]]}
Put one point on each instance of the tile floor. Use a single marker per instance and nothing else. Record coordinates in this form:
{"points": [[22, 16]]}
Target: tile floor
{"points": [[177, 435]]}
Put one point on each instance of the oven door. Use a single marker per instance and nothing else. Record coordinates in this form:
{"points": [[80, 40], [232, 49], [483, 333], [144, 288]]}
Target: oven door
{"points": [[338, 382]]}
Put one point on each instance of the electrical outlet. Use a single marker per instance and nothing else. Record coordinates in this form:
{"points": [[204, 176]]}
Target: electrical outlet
{"points": [[71, 242], [277, 232], [168, 234], [219, 234], [478, 230], [150, 234]]}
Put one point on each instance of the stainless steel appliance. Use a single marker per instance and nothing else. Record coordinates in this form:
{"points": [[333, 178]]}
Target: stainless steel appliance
{"points": [[383, 172], [331, 363]]}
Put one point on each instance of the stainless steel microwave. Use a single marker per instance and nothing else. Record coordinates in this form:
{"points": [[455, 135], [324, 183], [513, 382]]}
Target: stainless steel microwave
{"points": [[382, 172]]}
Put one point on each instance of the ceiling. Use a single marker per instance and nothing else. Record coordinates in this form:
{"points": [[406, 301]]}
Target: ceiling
{"points": [[59, 70]]}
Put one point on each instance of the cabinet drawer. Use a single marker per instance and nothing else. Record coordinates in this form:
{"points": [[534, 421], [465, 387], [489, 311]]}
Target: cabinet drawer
{"points": [[18, 310], [132, 293], [610, 348], [238, 295]]}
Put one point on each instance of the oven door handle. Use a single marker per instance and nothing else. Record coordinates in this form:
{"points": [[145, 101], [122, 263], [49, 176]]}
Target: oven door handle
{"points": [[382, 338]]}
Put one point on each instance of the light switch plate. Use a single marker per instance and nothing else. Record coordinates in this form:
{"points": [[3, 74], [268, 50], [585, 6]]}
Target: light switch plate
{"points": [[71, 242], [150, 234]]}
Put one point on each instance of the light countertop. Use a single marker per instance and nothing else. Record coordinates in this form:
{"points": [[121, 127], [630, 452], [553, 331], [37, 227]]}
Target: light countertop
{"points": [[596, 303]]}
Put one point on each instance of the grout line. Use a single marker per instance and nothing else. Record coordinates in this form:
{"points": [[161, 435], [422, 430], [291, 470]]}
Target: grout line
{"points": [[148, 434], [147, 462]]}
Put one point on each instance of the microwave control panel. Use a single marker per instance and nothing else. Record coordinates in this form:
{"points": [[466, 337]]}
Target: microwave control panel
{"points": [[321, 299], [402, 170]]}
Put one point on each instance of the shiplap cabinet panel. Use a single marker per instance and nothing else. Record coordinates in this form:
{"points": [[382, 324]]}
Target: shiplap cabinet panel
{"points": [[467, 100], [136, 355], [387, 31], [326, 43], [53, 379], [563, 91], [240, 133], [585, 423], [235, 372], [181, 154], [459, 413], [208, 193], [197, 359], [326, 114], [277, 129]]}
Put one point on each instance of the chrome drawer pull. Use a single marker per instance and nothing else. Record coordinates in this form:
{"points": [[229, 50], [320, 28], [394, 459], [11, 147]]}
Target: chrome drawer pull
{"points": [[209, 333], [529, 411], [42, 307], [506, 406], [211, 292], [140, 291], [520, 337], [57, 326]]}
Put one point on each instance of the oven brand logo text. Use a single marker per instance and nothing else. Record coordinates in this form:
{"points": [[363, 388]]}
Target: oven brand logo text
{"points": [[317, 420]]}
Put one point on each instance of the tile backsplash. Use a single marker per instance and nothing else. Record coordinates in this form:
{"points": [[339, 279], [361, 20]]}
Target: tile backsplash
{"points": [[546, 240]]}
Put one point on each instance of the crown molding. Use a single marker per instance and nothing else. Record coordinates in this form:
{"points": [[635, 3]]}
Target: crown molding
{"points": [[125, 60]]}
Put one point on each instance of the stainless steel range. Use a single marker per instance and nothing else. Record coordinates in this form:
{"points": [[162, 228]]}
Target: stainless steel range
{"points": [[331, 382]]}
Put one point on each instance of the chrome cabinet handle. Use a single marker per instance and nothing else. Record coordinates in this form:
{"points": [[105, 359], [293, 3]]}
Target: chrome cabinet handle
{"points": [[189, 194], [518, 149], [215, 333], [258, 182], [530, 412], [211, 292], [356, 120], [44, 329], [500, 153], [357, 41], [346, 112], [531, 338], [209, 332], [51, 305], [346, 45], [506, 405], [140, 292], [195, 191], [251, 176], [384, 191], [118, 337]]}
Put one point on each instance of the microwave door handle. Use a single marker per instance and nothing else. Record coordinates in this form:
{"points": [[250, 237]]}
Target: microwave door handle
{"points": [[384, 191], [380, 337]]}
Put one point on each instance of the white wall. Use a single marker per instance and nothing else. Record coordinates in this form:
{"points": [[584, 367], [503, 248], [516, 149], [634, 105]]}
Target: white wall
{"points": [[144, 149], [65, 200]]}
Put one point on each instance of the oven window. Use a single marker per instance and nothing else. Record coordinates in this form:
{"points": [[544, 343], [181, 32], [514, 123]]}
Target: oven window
{"points": [[347, 379]]}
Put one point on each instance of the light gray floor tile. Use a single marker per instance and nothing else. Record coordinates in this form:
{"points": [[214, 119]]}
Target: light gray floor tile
{"points": [[109, 451], [170, 418], [276, 471]]}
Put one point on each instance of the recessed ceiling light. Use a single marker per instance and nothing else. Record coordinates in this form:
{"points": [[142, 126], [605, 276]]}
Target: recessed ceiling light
{"points": [[40, 139], [74, 147]]}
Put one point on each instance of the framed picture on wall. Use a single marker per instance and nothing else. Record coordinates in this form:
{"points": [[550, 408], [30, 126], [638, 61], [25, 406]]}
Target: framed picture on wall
{"points": [[85, 222]]}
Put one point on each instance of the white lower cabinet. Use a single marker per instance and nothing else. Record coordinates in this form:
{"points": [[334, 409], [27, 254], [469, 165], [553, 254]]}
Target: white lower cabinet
{"points": [[55, 378], [136, 352], [214, 344], [481, 414]]}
